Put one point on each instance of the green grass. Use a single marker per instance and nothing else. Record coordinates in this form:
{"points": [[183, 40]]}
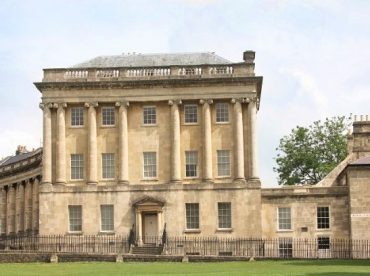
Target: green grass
{"points": [[321, 268]]}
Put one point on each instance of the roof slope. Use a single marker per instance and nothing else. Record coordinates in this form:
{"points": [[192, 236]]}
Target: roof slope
{"points": [[16, 158], [148, 60]]}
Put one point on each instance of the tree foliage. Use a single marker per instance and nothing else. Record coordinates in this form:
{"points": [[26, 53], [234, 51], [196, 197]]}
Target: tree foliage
{"points": [[306, 155]]}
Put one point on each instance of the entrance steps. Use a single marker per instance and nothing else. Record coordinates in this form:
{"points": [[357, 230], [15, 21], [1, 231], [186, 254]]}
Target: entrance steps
{"points": [[147, 249]]}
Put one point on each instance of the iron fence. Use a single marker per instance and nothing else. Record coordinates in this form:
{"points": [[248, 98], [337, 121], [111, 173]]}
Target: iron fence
{"points": [[187, 245]]}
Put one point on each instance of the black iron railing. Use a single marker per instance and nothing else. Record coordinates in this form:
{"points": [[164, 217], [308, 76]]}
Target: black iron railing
{"points": [[188, 245]]}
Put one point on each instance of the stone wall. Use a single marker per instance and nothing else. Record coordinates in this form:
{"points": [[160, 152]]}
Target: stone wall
{"points": [[303, 203]]}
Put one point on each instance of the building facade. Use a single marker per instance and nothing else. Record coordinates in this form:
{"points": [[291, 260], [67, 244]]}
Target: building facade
{"points": [[151, 140], [168, 141]]}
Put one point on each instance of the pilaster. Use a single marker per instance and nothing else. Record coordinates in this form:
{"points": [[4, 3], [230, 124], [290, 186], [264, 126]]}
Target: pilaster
{"points": [[92, 144], [175, 143], [207, 140], [123, 142]]}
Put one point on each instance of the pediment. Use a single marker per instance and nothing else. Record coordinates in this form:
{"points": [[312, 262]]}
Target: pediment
{"points": [[148, 201]]}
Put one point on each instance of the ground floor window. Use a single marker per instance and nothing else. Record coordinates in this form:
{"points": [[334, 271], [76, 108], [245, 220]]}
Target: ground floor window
{"points": [[323, 243], [224, 215], [285, 248], [107, 217], [75, 218], [192, 215]]}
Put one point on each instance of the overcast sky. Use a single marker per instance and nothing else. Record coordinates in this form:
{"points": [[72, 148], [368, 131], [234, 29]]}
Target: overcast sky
{"points": [[314, 55]]}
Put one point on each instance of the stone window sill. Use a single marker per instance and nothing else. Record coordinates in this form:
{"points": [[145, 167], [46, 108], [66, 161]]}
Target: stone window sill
{"points": [[323, 229], [190, 124], [149, 125], [284, 231], [225, 230], [77, 126], [149, 180], [192, 231], [222, 123], [108, 126], [74, 233], [107, 233]]}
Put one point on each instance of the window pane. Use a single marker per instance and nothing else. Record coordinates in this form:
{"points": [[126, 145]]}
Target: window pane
{"points": [[323, 218], [108, 165], [107, 217], [108, 116], [191, 163], [192, 215], [284, 219], [223, 162], [77, 166], [191, 113], [77, 116], [224, 215], [285, 248], [150, 164], [222, 112], [323, 243], [75, 217], [150, 116]]}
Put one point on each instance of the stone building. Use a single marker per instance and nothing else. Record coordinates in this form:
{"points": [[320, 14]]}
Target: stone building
{"points": [[169, 140]]}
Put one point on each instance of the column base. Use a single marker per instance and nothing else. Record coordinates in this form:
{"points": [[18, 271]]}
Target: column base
{"points": [[46, 187], [123, 182], [208, 180], [92, 182], [240, 180], [175, 181]]}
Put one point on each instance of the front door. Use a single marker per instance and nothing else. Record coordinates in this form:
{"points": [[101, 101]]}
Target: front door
{"points": [[150, 228]]}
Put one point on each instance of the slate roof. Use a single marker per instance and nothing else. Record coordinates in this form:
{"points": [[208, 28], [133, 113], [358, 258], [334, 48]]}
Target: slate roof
{"points": [[16, 158], [148, 60], [362, 161]]}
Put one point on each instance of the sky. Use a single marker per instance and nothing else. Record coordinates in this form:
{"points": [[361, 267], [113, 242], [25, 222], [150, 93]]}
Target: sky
{"points": [[314, 56]]}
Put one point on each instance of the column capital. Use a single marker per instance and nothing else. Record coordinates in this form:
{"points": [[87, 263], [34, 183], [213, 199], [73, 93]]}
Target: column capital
{"points": [[251, 99], [44, 106], [174, 102], [123, 103], [61, 105], [94, 104], [238, 100], [208, 101]]}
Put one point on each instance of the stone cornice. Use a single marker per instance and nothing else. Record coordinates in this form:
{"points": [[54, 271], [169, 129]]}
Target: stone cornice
{"points": [[150, 83], [304, 192]]}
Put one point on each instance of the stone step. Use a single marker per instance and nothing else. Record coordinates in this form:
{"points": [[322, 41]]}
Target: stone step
{"points": [[147, 250]]}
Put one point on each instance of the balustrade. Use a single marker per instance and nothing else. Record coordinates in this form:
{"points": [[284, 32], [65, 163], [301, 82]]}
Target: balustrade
{"points": [[146, 72], [75, 74], [97, 74], [107, 73]]}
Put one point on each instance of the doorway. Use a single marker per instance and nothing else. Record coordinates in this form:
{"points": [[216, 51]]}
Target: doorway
{"points": [[150, 228]]}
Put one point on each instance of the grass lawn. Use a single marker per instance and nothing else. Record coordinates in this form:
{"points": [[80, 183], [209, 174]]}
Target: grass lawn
{"points": [[321, 268]]}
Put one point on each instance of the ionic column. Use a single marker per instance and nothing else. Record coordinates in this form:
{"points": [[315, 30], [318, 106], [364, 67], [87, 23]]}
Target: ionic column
{"points": [[14, 208], [35, 205], [3, 211], [139, 228], [21, 206], [175, 142], [8, 209], [238, 139], [46, 151], [123, 142], [207, 140], [26, 206], [92, 145], [159, 223], [253, 163], [61, 145], [17, 207]]}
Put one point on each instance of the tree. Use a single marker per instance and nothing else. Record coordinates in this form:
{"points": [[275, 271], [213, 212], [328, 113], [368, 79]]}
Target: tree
{"points": [[306, 155]]}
